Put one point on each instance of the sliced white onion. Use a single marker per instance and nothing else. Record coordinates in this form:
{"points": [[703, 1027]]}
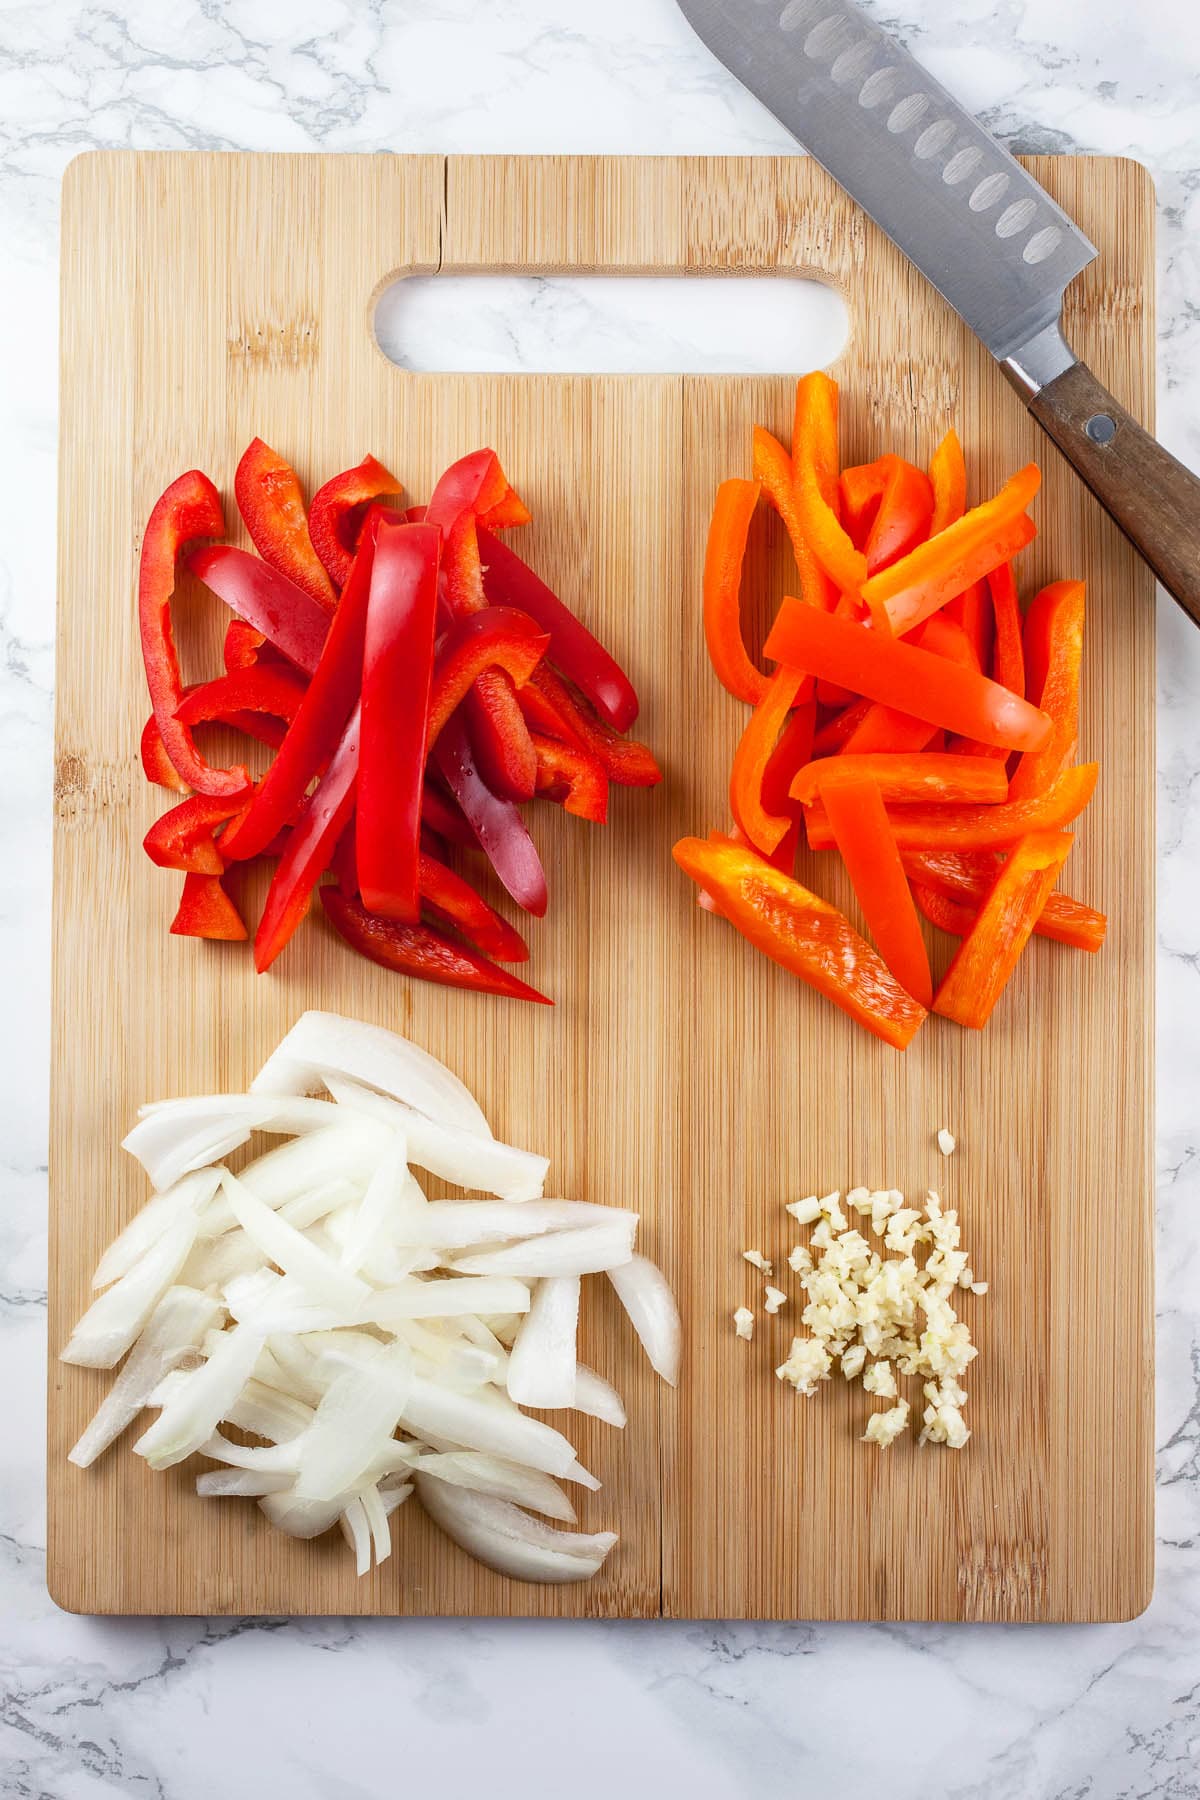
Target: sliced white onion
{"points": [[444, 1299], [172, 1137], [645, 1293], [301, 1518], [508, 1540], [457, 1224], [207, 1393], [470, 1161], [325, 1282], [174, 1328], [347, 1151], [486, 1423], [597, 1397], [357, 1532], [377, 1522], [240, 1483], [189, 1195], [354, 1422], [394, 1497], [269, 1413], [502, 1480], [263, 1459], [320, 1044], [541, 1368], [588, 1251], [372, 1220], [116, 1318]]}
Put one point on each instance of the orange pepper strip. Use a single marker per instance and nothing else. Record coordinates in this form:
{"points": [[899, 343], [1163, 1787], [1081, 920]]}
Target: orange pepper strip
{"points": [[1054, 649], [859, 821], [860, 491], [1008, 661], [788, 757], [926, 777], [951, 887], [914, 680], [939, 569], [976, 827], [752, 757], [773, 467], [972, 609], [833, 547], [992, 948], [904, 516], [948, 478], [885, 728], [804, 935], [836, 732], [815, 462], [723, 560], [946, 637]]}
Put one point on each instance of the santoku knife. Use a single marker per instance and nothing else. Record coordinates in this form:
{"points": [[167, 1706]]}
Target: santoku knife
{"points": [[980, 228]]}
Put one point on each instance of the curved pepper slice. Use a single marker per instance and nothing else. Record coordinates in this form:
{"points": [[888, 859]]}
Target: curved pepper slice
{"points": [[989, 953], [499, 637], [322, 819], [508, 581], [977, 827], [887, 507], [476, 484], [442, 814], [554, 710], [497, 724], [786, 760], [913, 680], [815, 461], [449, 898], [804, 935], [575, 775], [972, 609], [496, 822], [1054, 648], [277, 692], [764, 829], [859, 822], [269, 499], [338, 510], [948, 478], [184, 838], [206, 911], [397, 680], [156, 764], [928, 777], [266, 600], [956, 885], [773, 469], [420, 951], [724, 556]]}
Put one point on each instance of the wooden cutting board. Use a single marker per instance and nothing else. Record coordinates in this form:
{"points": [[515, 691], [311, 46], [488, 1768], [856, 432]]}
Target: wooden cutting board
{"points": [[209, 298]]}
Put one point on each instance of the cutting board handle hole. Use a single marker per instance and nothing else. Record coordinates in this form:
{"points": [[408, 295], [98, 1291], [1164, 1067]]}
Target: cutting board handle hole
{"points": [[611, 324]]}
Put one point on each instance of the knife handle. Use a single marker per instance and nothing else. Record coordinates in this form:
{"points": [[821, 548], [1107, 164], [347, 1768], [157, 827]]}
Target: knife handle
{"points": [[1151, 496]]}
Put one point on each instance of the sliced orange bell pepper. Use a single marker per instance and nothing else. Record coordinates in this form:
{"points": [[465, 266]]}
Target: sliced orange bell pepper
{"points": [[764, 829], [815, 461], [1008, 660], [723, 559], [917, 778], [1054, 649], [976, 827], [972, 609], [859, 821], [950, 887], [991, 950], [914, 680], [946, 637], [894, 500], [944, 565], [948, 478], [803, 934], [885, 728], [837, 731], [773, 468]]}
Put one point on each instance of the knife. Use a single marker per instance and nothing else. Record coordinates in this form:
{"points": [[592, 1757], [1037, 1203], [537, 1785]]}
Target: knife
{"points": [[976, 224]]}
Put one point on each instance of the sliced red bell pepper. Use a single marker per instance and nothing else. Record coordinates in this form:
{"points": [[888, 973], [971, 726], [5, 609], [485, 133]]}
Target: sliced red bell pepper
{"points": [[508, 581], [859, 822], [625, 761], [913, 680], [495, 821], [1054, 645], [972, 609], [804, 935], [987, 956], [963, 881], [184, 838], [322, 819], [338, 513], [206, 911], [977, 827], [860, 490], [454, 901], [773, 469], [266, 600], [190, 508], [837, 730], [815, 462], [443, 814], [277, 692], [764, 829], [156, 764], [499, 637], [476, 484], [499, 733], [948, 478], [901, 513], [420, 951], [574, 775], [397, 681], [929, 778], [242, 646], [943, 566], [270, 501], [724, 556]]}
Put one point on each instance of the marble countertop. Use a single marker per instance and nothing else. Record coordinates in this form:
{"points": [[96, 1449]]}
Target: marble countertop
{"points": [[182, 1709]]}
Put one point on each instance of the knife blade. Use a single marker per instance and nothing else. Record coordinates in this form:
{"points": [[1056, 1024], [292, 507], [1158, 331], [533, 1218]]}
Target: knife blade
{"points": [[976, 224]]}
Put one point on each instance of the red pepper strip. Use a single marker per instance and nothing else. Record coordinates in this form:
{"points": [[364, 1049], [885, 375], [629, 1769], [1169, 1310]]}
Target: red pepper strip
{"points": [[184, 838], [914, 680], [860, 826], [977, 827], [206, 911], [497, 824], [575, 775], [837, 731], [773, 468], [989, 953], [190, 508], [934, 779], [321, 821], [948, 478], [454, 901], [860, 491], [266, 600], [499, 637], [420, 951], [508, 581], [724, 556], [338, 512], [274, 691], [269, 499], [972, 609], [499, 733], [156, 764], [319, 719], [885, 728], [1054, 643], [764, 829], [625, 761], [804, 935], [444, 815], [242, 645], [903, 516], [964, 882], [943, 566], [475, 484], [397, 681]]}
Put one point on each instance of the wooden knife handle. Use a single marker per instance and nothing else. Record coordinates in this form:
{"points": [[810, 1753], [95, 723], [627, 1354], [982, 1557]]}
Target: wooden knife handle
{"points": [[1152, 497]]}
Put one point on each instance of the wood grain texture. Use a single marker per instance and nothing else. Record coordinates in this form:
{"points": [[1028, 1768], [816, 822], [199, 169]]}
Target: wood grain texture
{"points": [[207, 298]]}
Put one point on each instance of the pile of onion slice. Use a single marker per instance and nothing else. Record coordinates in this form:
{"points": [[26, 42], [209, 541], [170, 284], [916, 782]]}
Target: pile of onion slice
{"points": [[365, 1341]]}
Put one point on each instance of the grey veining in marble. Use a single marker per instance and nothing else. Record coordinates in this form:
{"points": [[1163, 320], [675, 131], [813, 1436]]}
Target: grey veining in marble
{"points": [[323, 1710]]}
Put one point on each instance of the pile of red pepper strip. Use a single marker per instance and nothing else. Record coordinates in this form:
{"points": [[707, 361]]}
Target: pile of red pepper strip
{"points": [[914, 719], [416, 680]]}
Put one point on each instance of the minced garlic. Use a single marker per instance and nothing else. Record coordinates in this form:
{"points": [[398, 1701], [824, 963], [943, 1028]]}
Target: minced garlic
{"points": [[774, 1299], [743, 1323], [757, 1260], [947, 1142], [883, 1428]]}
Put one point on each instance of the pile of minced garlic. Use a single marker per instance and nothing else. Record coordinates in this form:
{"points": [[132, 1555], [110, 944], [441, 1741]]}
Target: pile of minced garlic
{"points": [[879, 1317]]}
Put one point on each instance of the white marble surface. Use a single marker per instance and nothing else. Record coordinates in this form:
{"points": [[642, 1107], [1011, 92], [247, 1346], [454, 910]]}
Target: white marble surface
{"points": [[324, 1709]]}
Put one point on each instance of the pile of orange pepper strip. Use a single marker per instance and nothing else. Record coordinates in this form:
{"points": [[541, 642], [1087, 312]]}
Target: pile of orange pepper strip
{"points": [[914, 721]]}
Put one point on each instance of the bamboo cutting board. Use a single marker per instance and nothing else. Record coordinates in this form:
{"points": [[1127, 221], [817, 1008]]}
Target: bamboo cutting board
{"points": [[209, 298]]}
